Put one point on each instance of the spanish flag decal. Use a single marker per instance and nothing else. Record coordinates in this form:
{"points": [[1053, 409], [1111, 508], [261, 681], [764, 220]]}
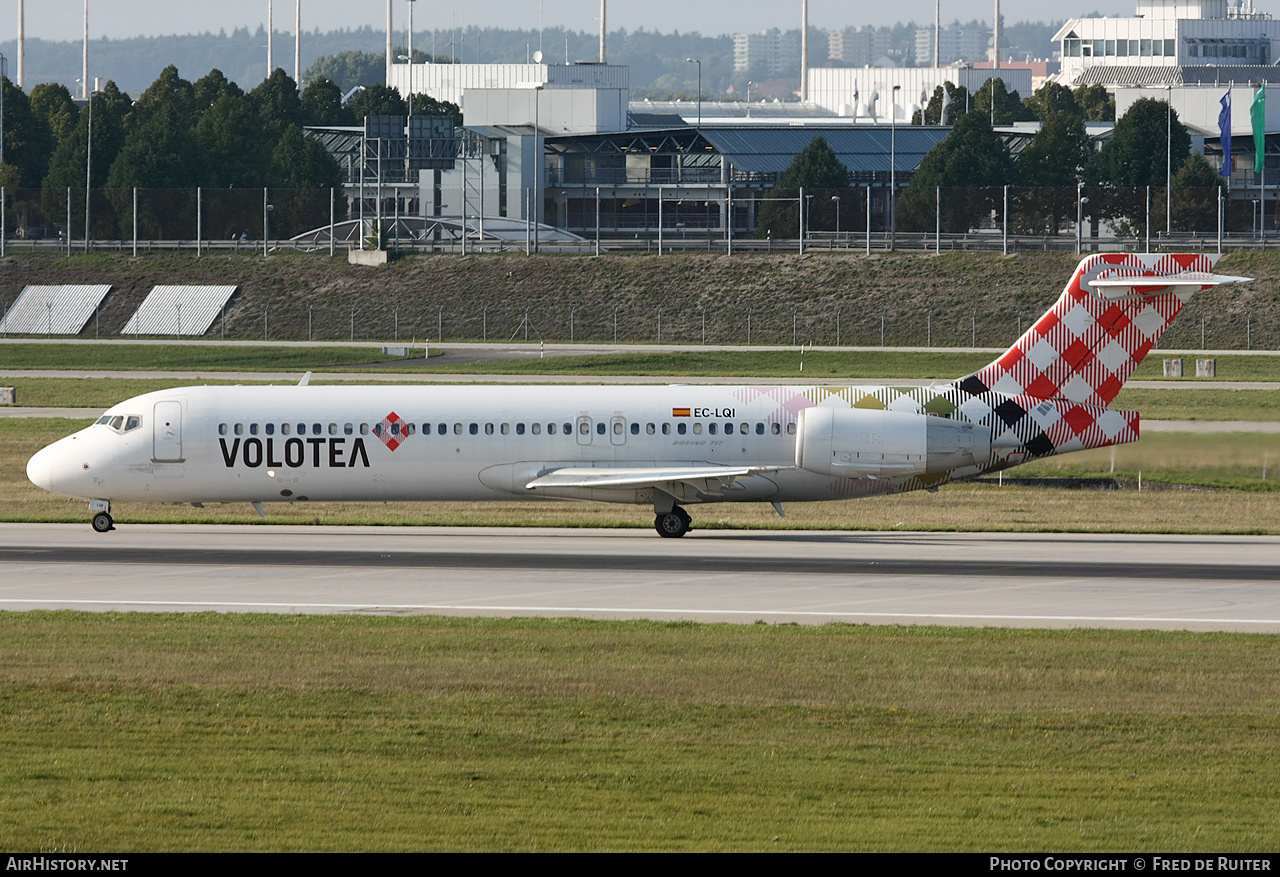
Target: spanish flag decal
{"points": [[679, 412]]}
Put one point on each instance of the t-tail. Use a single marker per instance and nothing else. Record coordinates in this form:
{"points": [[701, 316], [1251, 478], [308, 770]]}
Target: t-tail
{"points": [[1049, 393]]}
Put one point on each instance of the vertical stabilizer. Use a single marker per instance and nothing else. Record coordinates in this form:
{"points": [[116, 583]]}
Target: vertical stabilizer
{"points": [[1102, 326]]}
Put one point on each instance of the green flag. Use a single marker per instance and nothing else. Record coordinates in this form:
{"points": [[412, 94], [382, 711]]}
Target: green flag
{"points": [[1258, 115]]}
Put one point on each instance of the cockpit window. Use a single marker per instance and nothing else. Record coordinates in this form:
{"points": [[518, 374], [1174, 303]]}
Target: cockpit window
{"points": [[117, 422], [106, 418], [133, 421]]}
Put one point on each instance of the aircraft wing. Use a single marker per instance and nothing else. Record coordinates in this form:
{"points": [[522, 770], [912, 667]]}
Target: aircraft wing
{"points": [[679, 481]]}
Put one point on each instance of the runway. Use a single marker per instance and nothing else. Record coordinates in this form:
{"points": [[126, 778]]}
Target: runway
{"points": [[973, 579]]}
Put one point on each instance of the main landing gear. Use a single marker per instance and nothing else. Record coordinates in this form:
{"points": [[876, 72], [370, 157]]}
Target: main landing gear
{"points": [[672, 524], [102, 521]]}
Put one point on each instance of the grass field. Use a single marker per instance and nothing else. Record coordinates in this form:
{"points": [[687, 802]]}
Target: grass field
{"points": [[229, 732], [1231, 460], [185, 357], [765, 362]]}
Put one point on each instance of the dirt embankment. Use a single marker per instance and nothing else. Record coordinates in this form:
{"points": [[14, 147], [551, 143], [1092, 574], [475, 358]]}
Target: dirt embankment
{"points": [[949, 300]]}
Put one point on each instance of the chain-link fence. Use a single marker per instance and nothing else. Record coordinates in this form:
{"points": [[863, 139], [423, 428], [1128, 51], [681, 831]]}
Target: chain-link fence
{"points": [[719, 218]]}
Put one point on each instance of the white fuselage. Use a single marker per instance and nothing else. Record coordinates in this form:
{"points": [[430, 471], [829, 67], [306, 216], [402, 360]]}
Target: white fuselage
{"points": [[397, 443]]}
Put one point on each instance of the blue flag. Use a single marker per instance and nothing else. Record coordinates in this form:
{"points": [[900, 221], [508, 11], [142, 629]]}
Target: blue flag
{"points": [[1224, 129]]}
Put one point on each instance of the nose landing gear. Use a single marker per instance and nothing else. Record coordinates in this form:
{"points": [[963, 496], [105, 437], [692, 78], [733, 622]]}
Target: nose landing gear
{"points": [[102, 521], [672, 524]]}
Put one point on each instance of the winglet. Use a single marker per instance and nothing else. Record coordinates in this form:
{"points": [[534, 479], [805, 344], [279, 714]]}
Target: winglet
{"points": [[306, 379]]}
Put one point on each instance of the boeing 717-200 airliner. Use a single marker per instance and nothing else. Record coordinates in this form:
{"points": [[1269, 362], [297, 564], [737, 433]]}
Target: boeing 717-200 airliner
{"points": [[668, 447]]}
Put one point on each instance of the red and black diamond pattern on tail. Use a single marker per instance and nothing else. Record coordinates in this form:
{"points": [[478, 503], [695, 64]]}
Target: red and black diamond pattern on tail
{"points": [[1086, 347]]}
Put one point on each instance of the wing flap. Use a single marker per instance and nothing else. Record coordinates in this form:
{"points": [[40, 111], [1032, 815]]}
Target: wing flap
{"points": [[703, 478]]}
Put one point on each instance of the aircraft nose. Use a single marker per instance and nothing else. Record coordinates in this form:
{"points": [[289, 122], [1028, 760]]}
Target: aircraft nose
{"points": [[40, 468]]}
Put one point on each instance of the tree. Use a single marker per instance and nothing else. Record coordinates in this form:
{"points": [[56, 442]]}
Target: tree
{"points": [[425, 105], [349, 69], [170, 97], [277, 102], [1098, 105], [163, 154], [1008, 105], [1049, 168], [959, 99], [52, 102], [321, 104], [234, 143], [111, 108], [970, 165], [303, 173], [814, 169], [208, 88], [379, 100], [28, 139], [1136, 158], [1195, 195]]}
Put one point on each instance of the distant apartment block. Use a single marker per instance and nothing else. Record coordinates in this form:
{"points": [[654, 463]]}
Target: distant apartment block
{"points": [[957, 42], [771, 52], [862, 46]]}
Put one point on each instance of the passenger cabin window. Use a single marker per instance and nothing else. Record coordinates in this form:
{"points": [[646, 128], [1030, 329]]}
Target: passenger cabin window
{"points": [[347, 429], [253, 429], [270, 428], [551, 429], [682, 428], [222, 427], [600, 428], [649, 429], [697, 429], [474, 429], [568, 428], [666, 429], [506, 429], [364, 429], [333, 429], [775, 428], [286, 428], [791, 428], [535, 428], [519, 429], [488, 429], [239, 429], [635, 429]]}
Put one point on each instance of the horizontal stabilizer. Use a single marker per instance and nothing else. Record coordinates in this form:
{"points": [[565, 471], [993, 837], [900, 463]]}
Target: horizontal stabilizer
{"points": [[1118, 285]]}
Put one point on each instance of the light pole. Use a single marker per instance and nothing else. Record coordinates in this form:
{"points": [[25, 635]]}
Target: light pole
{"points": [[808, 201], [538, 160], [893, 168], [1168, 160], [410, 51], [749, 84], [4, 64], [699, 63], [88, 170], [836, 198]]}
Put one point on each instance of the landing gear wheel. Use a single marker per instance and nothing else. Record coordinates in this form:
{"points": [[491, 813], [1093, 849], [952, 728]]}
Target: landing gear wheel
{"points": [[672, 524], [102, 522]]}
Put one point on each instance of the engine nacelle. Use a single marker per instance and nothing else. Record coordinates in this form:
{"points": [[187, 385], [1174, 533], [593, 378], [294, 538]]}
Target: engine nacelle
{"points": [[861, 442]]}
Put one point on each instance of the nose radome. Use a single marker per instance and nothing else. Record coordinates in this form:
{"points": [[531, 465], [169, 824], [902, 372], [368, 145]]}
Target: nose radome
{"points": [[40, 468]]}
